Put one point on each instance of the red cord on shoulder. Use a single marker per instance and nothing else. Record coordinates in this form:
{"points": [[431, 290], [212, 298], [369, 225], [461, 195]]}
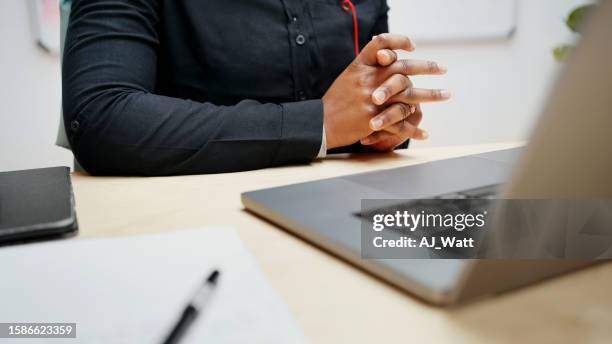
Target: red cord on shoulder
{"points": [[348, 6]]}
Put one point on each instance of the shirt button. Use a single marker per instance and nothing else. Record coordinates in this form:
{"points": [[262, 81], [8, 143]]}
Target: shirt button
{"points": [[301, 95], [300, 39], [74, 125]]}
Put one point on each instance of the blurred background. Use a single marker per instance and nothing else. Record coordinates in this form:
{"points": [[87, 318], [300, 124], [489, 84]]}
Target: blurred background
{"points": [[498, 82]]}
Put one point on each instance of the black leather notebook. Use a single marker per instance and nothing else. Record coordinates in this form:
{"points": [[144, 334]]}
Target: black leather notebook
{"points": [[36, 204]]}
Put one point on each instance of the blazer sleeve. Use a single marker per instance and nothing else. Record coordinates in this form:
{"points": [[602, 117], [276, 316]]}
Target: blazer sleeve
{"points": [[116, 124]]}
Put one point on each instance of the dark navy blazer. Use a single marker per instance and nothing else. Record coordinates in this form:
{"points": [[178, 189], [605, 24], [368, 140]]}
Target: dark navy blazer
{"points": [[162, 87]]}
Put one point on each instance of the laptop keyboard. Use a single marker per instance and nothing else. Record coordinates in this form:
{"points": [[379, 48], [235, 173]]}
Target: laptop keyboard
{"points": [[485, 192], [479, 200]]}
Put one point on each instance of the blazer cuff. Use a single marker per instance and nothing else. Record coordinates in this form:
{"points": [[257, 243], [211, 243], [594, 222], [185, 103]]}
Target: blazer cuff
{"points": [[301, 137]]}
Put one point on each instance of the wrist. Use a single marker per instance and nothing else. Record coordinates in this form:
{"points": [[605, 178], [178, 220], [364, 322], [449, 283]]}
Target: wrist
{"points": [[328, 126]]}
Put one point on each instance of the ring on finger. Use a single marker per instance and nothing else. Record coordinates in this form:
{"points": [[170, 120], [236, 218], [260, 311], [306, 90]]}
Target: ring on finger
{"points": [[407, 111], [412, 109]]}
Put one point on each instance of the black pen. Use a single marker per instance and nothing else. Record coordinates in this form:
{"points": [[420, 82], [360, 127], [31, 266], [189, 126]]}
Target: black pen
{"points": [[193, 308]]}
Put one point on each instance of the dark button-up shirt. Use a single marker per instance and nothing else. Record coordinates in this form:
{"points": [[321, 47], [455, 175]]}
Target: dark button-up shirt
{"points": [[157, 87]]}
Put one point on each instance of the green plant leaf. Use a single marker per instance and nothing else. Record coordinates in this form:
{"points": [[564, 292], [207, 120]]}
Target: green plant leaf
{"points": [[562, 52], [578, 17]]}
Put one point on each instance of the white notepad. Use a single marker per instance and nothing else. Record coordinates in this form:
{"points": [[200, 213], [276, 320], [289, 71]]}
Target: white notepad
{"points": [[133, 289]]}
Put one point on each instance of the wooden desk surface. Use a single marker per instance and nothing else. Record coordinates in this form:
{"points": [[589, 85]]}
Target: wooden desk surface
{"points": [[332, 301]]}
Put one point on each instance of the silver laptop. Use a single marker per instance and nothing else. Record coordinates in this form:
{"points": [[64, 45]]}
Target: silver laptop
{"points": [[568, 156]]}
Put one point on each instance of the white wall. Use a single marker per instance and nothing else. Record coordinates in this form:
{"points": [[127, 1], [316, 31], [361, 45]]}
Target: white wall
{"points": [[498, 87], [30, 92]]}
